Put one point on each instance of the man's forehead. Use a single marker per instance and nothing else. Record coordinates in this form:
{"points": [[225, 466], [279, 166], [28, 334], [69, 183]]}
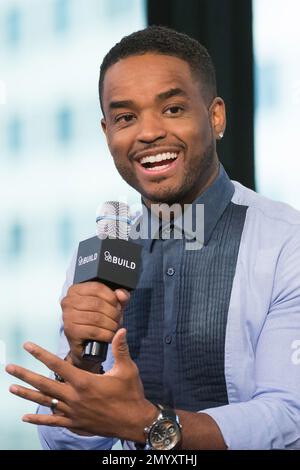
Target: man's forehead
{"points": [[146, 72], [153, 58]]}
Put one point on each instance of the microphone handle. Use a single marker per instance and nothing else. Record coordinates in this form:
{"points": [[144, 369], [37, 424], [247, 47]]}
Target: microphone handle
{"points": [[95, 351]]}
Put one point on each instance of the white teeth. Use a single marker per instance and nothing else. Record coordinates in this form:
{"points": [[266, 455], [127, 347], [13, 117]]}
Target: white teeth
{"points": [[157, 168], [158, 158]]}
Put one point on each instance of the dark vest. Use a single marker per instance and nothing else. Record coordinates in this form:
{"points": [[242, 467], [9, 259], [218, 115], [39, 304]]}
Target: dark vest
{"points": [[185, 370]]}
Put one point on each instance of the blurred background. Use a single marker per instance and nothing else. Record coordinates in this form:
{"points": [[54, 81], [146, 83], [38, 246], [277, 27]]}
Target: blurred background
{"points": [[55, 167]]}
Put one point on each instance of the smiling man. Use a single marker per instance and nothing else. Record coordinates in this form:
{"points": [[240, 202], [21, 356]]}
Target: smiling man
{"points": [[161, 125], [211, 359]]}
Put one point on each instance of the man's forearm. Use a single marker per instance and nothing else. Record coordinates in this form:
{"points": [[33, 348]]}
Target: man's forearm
{"points": [[200, 431]]}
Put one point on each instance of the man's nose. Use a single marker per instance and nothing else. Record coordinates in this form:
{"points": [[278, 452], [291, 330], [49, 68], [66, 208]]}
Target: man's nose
{"points": [[151, 129]]}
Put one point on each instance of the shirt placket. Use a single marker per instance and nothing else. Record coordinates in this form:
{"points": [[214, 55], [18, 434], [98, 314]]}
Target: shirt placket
{"points": [[172, 255]]}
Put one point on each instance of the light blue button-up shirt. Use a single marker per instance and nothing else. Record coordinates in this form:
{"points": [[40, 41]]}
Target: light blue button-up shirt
{"points": [[262, 341]]}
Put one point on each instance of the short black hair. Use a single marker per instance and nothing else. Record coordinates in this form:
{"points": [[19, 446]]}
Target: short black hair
{"points": [[165, 41]]}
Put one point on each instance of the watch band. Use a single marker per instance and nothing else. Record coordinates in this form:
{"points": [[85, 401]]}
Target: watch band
{"points": [[167, 413]]}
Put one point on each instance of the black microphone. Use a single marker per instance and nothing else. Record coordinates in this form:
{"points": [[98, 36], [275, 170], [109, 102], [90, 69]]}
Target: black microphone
{"points": [[110, 258]]}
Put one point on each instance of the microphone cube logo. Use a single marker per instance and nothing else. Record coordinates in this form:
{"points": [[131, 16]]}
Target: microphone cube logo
{"points": [[107, 256], [87, 259], [119, 261]]}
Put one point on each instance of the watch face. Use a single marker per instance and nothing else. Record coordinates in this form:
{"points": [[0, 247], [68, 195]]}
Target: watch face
{"points": [[164, 435]]}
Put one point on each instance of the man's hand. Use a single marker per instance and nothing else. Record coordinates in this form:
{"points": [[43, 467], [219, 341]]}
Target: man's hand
{"points": [[92, 311], [108, 405]]}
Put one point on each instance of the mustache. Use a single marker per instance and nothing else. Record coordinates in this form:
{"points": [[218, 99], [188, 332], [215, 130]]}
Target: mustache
{"points": [[177, 146]]}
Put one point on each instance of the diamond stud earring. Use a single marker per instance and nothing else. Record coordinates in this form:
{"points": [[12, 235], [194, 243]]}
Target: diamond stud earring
{"points": [[221, 134]]}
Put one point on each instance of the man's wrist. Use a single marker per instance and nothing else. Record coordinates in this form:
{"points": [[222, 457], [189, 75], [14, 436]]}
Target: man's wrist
{"points": [[165, 432], [149, 414]]}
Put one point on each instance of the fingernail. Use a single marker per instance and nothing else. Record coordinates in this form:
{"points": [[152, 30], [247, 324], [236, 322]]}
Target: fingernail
{"points": [[124, 292], [13, 389], [26, 419], [29, 347], [10, 369]]}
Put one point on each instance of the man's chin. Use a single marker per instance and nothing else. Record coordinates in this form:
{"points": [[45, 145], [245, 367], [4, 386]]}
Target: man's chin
{"points": [[162, 197]]}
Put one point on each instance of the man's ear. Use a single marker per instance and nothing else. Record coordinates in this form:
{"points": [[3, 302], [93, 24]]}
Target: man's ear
{"points": [[217, 114], [103, 125]]}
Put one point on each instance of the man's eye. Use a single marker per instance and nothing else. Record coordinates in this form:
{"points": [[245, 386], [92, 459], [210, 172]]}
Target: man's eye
{"points": [[174, 110], [124, 118]]}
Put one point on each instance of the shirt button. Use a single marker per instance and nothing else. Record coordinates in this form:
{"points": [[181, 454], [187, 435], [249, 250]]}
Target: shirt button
{"points": [[168, 339], [171, 271]]}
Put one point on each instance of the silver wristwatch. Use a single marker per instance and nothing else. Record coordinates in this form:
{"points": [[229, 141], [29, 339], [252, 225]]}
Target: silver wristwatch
{"points": [[165, 432]]}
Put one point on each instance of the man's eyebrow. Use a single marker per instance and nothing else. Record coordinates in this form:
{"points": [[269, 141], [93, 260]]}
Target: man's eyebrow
{"points": [[170, 93], [160, 97], [120, 104]]}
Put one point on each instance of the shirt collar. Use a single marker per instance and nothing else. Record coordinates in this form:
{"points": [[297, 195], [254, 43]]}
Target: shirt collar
{"points": [[215, 199]]}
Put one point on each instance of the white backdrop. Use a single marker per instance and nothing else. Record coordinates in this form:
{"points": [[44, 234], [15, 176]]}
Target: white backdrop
{"points": [[277, 55], [55, 167]]}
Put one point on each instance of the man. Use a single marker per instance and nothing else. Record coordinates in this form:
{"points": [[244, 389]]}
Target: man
{"points": [[214, 333]]}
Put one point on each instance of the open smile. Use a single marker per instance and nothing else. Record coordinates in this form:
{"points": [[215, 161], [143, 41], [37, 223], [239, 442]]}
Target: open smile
{"points": [[158, 164]]}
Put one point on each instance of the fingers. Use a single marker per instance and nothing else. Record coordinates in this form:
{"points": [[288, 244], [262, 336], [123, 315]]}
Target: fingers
{"points": [[49, 420], [95, 319], [80, 433], [83, 333], [91, 311], [94, 289], [91, 304], [54, 363], [120, 351], [119, 346], [123, 296], [38, 397], [45, 385]]}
